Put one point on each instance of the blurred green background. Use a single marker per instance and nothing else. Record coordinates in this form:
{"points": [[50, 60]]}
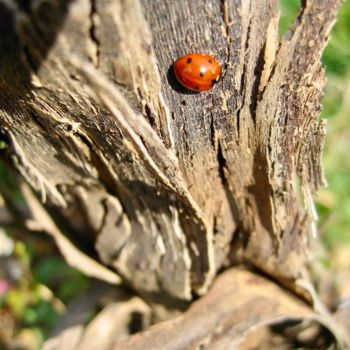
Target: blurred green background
{"points": [[33, 297]]}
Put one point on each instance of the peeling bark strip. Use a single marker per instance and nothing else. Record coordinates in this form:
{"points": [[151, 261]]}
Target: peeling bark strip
{"points": [[227, 318], [167, 186]]}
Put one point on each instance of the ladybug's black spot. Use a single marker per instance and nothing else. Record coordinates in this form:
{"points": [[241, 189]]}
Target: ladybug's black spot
{"points": [[201, 74], [189, 60], [196, 87], [210, 61], [213, 82]]}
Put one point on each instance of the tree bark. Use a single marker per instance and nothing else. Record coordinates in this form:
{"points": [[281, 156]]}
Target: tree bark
{"points": [[164, 186]]}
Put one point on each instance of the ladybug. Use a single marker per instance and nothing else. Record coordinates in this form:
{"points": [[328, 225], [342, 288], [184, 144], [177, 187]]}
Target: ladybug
{"points": [[197, 72]]}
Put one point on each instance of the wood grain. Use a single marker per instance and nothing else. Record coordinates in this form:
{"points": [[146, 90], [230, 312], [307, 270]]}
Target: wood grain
{"points": [[166, 186]]}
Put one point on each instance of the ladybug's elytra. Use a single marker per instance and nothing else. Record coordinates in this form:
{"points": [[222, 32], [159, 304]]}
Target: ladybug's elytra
{"points": [[197, 72]]}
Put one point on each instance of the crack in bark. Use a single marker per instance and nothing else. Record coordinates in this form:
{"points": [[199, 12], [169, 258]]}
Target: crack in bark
{"points": [[146, 110], [255, 96], [243, 77], [92, 31], [212, 132], [222, 165], [225, 17]]}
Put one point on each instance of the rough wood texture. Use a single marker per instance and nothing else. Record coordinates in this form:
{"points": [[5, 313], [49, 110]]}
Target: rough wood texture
{"points": [[225, 318], [234, 314], [167, 186]]}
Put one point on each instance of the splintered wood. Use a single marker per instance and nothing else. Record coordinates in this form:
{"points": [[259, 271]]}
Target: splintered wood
{"points": [[168, 187]]}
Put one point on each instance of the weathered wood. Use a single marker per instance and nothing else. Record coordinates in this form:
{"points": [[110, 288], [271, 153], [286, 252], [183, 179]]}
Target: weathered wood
{"points": [[164, 186], [169, 185], [226, 317]]}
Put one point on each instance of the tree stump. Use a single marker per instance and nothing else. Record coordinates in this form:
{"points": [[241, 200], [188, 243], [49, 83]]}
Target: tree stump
{"points": [[158, 188]]}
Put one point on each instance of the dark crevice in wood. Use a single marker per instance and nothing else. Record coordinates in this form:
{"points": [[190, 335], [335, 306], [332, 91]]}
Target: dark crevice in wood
{"points": [[299, 18], [215, 225], [239, 239], [150, 116], [223, 12], [79, 236], [92, 31], [212, 132], [243, 86], [104, 216], [136, 322], [146, 111], [226, 20], [37, 121], [221, 164], [162, 298], [255, 95], [323, 339]]}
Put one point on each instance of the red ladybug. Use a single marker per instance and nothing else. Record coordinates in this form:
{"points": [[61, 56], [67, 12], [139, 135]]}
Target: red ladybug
{"points": [[197, 72]]}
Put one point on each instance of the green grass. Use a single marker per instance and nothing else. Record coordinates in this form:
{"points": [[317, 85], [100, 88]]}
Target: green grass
{"points": [[337, 54], [289, 9]]}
